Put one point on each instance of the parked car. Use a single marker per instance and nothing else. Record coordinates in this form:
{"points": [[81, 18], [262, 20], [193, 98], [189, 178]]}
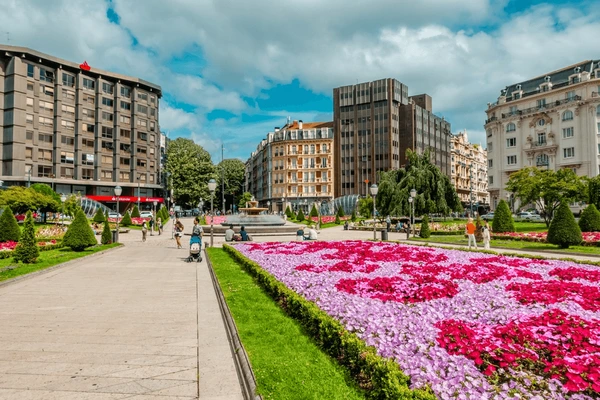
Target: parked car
{"points": [[146, 214], [527, 216], [114, 214], [489, 216]]}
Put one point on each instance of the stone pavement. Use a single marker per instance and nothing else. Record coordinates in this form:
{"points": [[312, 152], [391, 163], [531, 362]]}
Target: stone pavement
{"points": [[133, 323]]}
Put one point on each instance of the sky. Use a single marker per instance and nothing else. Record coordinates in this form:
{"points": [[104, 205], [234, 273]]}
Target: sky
{"points": [[231, 71]]}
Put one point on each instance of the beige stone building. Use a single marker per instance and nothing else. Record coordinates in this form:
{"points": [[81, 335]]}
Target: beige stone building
{"points": [[293, 166], [469, 172], [551, 121]]}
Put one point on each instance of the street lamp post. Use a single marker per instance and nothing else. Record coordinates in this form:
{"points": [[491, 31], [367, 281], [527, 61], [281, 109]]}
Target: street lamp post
{"points": [[509, 200], [138, 179], [374, 190], [413, 195], [410, 203], [212, 185], [118, 192], [63, 198], [269, 206], [154, 216]]}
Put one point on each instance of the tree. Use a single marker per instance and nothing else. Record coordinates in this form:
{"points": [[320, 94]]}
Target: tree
{"points": [[233, 171], [190, 168], [547, 189], [425, 231], [590, 219], [435, 193], [244, 198], [337, 219], [52, 199], [563, 230], [365, 206], [21, 200], [99, 216], [79, 235], [71, 205], [503, 221], [289, 212], [353, 217], [300, 216], [106, 234], [136, 212], [314, 212], [593, 191], [340, 212], [27, 250], [9, 227], [126, 221]]}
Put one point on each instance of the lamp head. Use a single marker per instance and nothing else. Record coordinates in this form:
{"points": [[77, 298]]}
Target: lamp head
{"points": [[212, 185], [118, 190], [413, 193], [374, 189], [410, 199], [154, 202]]}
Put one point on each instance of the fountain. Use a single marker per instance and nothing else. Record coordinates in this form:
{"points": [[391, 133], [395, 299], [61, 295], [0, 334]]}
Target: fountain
{"points": [[252, 217]]}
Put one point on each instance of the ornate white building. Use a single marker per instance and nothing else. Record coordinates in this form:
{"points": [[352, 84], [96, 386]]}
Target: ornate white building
{"points": [[469, 172], [551, 121]]}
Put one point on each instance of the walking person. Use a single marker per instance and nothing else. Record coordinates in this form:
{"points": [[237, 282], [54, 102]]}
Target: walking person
{"points": [[151, 223], [471, 233], [178, 232], [144, 231], [486, 234], [159, 225]]}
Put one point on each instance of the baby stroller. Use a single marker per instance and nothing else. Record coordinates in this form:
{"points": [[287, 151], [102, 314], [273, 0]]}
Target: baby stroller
{"points": [[195, 249]]}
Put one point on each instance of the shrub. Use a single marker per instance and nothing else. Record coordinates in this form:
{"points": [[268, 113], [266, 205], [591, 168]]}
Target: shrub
{"points": [[503, 221], [79, 235], [136, 212], [353, 217], [300, 217], [313, 211], [126, 221], [425, 231], [590, 219], [106, 234], [563, 230], [340, 212], [99, 216], [9, 227], [27, 250], [337, 219], [289, 212]]}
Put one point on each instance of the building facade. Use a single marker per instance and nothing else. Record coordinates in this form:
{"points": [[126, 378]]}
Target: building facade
{"points": [[77, 128], [293, 166], [469, 173], [375, 123], [551, 121]]}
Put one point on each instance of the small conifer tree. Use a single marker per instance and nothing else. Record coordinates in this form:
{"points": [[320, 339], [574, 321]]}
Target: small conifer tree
{"points": [[590, 219], [9, 227], [314, 212], [353, 217], [99, 216], [136, 212], [106, 234], [27, 250], [289, 212], [563, 230], [503, 221], [300, 216], [340, 212], [126, 221], [337, 219], [79, 235], [425, 231]]}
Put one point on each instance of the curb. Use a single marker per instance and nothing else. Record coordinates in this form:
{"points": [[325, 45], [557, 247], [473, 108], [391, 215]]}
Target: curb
{"points": [[53, 268], [240, 357]]}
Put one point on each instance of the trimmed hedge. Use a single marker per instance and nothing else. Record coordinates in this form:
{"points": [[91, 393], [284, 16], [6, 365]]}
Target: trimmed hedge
{"points": [[9, 227], [27, 250], [300, 217], [382, 378], [99, 216], [126, 220], [503, 221], [563, 230], [136, 212], [590, 219], [80, 235], [425, 231]]}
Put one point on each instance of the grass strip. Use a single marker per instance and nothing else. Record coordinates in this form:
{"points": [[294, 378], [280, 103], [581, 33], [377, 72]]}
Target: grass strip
{"points": [[9, 269], [286, 362]]}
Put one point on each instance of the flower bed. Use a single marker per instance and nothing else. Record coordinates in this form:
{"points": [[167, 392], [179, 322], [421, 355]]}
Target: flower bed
{"points": [[589, 238], [134, 221], [467, 325], [327, 219]]}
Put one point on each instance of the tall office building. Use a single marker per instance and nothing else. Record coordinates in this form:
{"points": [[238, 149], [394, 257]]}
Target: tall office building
{"points": [[78, 128], [551, 121], [375, 123]]}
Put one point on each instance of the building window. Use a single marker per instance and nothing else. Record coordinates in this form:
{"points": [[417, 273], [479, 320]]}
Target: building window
{"points": [[107, 132], [30, 102], [541, 136], [67, 94], [598, 110], [568, 133], [66, 157], [29, 136], [125, 161], [30, 87], [153, 128], [142, 96], [511, 160], [107, 102], [89, 84], [68, 80], [107, 160], [490, 180], [46, 106], [541, 122], [570, 95], [47, 76], [142, 109], [104, 174], [125, 105], [125, 91], [142, 136], [107, 145], [67, 140], [153, 112], [89, 143], [69, 110], [542, 160], [567, 115], [541, 103], [126, 133], [490, 163], [125, 176], [89, 99], [48, 122], [44, 171], [569, 152], [125, 119], [88, 128], [87, 173], [511, 142], [141, 150], [106, 116], [142, 122], [45, 155], [141, 163], [89, 114], [30, 70], [47, 90], [87, 159], [511, 127], [107, 88], [68, 125]]}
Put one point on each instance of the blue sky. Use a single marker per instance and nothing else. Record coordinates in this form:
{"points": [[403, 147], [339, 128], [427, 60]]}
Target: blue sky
{"points": [[231, 71]]}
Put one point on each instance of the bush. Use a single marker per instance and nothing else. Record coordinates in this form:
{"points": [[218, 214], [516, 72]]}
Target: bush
{"points": [[590, 219], [353, 217], [106, 234], [99, 216], [503, 221], [563, 230], [337, 219], [136, 212], [425, 231], [79, 235], [300, 217], [126, 221], [289, 212], [9, 227], [27, 250], [313, 211], [340, 212]]}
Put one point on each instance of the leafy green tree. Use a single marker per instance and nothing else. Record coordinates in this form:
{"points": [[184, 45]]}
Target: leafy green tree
{"points": [[365, 206], [99, 216], [233, 172], [313, 211], [547, 189], [563, 230], [425, 231], [71, 205], [593, 191], [190, 168], [52, 199], [503, 221], [27, 250], [244, 198], [21, 200], [590, 219], [106, 234], [353, 217], [9, 227], [435, 192], [126, 221], [136, 212], [79, 235], [300, 217]]}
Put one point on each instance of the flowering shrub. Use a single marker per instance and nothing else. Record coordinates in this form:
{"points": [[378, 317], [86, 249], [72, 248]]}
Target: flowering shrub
{"points": [[134, 221], [328, 219], [466, 325], [589, 238], [48, 232], [10, 246]]}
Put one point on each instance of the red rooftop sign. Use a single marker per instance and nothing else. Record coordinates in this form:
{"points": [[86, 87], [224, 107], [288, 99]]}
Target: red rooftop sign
{"points": [[127, 199], [85, 66]]}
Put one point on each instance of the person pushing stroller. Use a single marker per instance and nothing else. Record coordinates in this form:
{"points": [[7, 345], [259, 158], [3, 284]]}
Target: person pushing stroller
{"points": [[195, 243]]}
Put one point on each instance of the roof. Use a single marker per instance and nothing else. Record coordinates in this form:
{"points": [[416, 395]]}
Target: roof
{"points": [[309, 125]]}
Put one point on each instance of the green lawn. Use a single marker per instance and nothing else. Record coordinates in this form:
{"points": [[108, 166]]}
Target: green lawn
{"points": [[512, 244], [46, 259], [519, 226], [287, 364]]}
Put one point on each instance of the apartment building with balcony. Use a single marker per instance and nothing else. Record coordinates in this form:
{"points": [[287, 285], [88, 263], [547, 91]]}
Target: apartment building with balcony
{"points": [[293, 166], [375, 123], [469, 172], [77, 128], [551, 121]]}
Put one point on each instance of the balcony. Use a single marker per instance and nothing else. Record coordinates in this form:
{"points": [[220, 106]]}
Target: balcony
{"points": [[534, 110], [487, 121]]}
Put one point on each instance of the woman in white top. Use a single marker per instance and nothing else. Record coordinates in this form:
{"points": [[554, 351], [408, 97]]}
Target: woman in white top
{"points": [[486, 234]]}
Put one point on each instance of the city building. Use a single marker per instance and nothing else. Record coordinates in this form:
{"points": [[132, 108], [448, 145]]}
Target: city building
{"points": [[375, 123], [293, 166], [551, 121], [77, 128], [469, 173]]}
